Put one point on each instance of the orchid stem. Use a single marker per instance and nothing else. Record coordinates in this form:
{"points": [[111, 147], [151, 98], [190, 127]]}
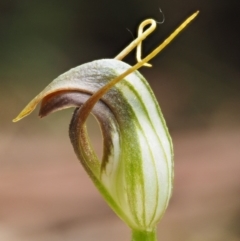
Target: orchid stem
{"points": [[144, 235]]}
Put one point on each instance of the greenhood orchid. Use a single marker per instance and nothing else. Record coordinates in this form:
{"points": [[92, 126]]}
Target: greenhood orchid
{"points": [[135, 175]]}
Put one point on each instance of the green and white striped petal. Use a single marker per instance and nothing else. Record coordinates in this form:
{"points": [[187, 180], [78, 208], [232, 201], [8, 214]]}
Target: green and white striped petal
{"points": [[136, 172]]}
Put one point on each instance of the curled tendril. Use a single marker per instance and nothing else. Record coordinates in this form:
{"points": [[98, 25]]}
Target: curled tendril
{"points": [[88, 105]]}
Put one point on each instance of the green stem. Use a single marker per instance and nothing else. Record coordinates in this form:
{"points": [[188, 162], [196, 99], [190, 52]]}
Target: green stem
{"points": [[138, 235]]}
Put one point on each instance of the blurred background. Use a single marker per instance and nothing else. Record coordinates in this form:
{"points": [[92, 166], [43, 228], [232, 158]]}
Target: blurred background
{"points": [[44, 192]]}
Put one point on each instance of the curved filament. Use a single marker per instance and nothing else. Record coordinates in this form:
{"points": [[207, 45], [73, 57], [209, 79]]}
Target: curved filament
{"points": [[89, 104], [138, 41]]}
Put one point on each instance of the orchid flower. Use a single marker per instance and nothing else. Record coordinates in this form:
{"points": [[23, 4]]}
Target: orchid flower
{"points": [[135, 175]]}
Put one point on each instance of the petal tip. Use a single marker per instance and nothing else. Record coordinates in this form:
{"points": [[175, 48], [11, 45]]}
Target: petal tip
{"points": [[16, 119], [28, 109], [22, 115]]}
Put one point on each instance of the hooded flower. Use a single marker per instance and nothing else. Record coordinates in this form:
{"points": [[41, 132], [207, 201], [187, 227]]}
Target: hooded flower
{"points": [[135, 174], [136, 171]]}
